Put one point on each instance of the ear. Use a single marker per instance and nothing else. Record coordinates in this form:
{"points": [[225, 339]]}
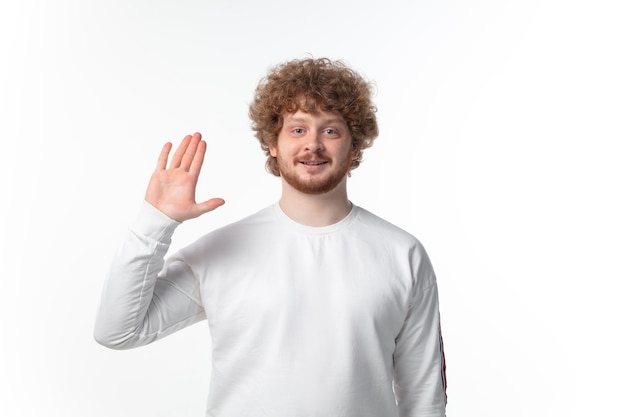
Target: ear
{"points": [[273, 150], [355, 152]]}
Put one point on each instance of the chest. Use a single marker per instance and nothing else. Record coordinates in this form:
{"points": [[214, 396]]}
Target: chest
{"points": [[309, 287]]}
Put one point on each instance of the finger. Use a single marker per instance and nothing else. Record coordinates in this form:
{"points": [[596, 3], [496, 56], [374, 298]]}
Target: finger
{"points": [[190, 152], [180, 151], [198, 158], [165, 151]]}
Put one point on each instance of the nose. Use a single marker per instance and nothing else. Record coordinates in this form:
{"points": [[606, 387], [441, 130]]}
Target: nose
{"points": [[314, 142]]}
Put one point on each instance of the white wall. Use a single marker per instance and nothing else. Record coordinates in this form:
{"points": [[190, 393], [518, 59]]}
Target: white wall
{"points": [[501, 148]]}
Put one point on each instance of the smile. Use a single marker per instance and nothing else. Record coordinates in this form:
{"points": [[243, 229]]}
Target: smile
{"points": [[314, 163]]}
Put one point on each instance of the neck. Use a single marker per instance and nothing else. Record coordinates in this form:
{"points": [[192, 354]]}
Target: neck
{"points": [[315, 210]]}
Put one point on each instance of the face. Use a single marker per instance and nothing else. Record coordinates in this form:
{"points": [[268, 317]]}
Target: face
{"points": [[314, 151]]}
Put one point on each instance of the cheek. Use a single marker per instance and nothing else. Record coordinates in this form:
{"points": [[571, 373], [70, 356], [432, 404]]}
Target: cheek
{"points": [[285, 148]]}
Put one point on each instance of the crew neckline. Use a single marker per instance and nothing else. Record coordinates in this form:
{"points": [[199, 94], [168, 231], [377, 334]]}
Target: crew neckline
{"points": [[315, 230]]}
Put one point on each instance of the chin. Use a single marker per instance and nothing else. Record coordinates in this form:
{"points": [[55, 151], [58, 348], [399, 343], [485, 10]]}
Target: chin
{"points": [[314, 187]]}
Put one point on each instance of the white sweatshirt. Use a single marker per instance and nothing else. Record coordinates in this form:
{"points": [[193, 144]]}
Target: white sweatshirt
{"points": [[335, 321]]}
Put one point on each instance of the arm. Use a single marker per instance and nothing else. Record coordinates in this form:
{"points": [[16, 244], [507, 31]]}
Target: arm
{"points": [[144, 297], [419, 364]]}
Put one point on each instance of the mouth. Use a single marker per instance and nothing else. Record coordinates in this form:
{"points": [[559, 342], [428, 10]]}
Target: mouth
{"points": [[313, 163]]}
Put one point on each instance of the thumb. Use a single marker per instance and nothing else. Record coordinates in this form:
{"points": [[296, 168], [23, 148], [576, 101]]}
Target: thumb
{"points": [[208, 205]]}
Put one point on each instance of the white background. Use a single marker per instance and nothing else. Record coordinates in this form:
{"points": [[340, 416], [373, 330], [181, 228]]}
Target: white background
{"points": [[501, 147]]}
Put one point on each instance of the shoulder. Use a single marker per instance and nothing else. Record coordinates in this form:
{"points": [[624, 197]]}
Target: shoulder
{"points": [[377, 226], [396, 243], [233, 237], [261, 219]]}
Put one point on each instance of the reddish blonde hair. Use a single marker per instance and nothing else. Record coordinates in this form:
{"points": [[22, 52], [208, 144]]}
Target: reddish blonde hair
{"points": [[312, 85]]}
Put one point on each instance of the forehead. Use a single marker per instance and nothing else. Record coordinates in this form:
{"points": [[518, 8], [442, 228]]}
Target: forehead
{"points": [[321, 116]]}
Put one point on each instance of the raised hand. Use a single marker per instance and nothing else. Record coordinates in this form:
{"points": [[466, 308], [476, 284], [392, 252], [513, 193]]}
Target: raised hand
{"points": [[173, 190]]}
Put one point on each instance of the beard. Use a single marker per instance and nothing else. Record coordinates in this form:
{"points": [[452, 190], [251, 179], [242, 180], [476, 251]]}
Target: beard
{"points": [[314, 184]]}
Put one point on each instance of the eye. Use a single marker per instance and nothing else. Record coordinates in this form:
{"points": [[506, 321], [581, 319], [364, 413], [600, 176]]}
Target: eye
{"points": [[330, 131], [298, 131]]}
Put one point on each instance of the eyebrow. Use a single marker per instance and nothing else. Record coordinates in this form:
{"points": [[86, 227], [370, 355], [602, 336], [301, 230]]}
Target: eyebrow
{"points": [[329, 120]]}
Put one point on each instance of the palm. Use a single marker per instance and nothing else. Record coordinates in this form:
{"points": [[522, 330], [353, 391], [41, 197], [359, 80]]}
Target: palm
{"points": [[172, 189]]}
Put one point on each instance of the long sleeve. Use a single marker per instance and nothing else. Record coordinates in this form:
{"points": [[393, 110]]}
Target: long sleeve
{"points": [[145, 298], [419, 364]]}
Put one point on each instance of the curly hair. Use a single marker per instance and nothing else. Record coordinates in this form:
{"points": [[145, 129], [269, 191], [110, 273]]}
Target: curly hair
{"points": [[311, 85]]}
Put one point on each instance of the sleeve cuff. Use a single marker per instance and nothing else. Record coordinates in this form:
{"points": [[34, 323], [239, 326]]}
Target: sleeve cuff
{"points": [[154, 224]]}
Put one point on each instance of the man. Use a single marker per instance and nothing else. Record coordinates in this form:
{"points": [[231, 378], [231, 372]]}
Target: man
{"points": [[316, 307]]}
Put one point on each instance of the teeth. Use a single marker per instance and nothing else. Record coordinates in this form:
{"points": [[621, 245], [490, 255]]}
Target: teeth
{"points": [[313, 163]]}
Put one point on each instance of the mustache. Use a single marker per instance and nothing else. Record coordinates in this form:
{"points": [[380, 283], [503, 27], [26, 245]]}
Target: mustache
{"points": [[312, 156]]}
